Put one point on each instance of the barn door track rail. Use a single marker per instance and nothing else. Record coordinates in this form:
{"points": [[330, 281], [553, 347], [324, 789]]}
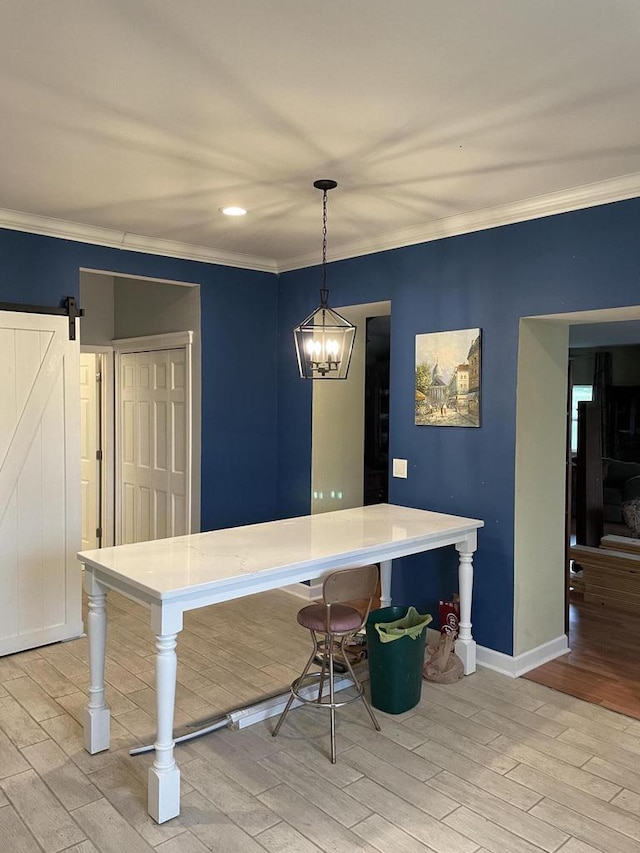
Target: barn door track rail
{"points": [[69, 308]]}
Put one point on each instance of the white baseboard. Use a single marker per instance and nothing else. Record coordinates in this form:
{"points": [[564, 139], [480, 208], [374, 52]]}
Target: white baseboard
{"points": [[518, 665], [309, 592], [514, 666]]}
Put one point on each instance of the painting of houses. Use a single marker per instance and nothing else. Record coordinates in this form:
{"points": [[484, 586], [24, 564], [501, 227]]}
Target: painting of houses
{"points": [[448, 378]]}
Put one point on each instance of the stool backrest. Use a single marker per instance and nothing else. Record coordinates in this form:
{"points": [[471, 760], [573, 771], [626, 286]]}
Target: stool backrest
{"points": [[350, 585]]}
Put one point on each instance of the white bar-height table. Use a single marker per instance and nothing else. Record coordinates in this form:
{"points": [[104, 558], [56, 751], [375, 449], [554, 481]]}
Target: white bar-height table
{"points": [[183, 573]]}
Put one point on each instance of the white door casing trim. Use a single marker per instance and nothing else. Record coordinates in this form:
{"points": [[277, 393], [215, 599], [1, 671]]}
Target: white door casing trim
{"points": [[107, 393], [152, 343], [91, 464]]}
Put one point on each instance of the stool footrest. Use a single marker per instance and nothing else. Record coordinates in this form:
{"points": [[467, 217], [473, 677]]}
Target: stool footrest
{"points": [[300, 684]]}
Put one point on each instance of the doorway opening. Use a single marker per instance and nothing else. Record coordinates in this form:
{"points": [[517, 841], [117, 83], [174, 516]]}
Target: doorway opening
{"points": [[120, 307], [376, 410], [543, 471], [340, 420]]}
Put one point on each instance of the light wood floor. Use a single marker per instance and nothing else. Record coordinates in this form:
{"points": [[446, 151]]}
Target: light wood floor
{"points": [[487, 764]]}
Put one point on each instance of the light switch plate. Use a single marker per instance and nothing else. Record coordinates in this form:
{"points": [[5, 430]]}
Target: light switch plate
{"points": [[400, 468]]}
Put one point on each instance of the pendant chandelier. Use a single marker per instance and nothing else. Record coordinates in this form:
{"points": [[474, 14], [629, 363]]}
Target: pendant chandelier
{"points": [[324, 340]]}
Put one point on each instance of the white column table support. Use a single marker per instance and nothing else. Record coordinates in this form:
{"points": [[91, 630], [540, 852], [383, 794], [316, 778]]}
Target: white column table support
{"points": [[163, 797], [97, 715], [465, 644], [385, 582]]}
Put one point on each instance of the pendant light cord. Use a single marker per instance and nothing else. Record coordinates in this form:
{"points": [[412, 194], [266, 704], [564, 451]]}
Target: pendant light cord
{"points": [[324, 293]]}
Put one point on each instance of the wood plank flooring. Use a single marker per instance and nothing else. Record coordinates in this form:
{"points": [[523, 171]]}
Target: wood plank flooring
{"points": [[603, 665], [487, 764]]}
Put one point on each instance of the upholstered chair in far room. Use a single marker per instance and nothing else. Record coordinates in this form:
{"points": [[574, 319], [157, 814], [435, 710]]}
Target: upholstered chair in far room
{"points": [[331, 622]]}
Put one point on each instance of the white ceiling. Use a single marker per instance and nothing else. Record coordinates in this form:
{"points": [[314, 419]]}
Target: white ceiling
{"points": [[137, 119]]}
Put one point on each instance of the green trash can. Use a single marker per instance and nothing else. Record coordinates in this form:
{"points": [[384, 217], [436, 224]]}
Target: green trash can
{"points": [[395, 650]]}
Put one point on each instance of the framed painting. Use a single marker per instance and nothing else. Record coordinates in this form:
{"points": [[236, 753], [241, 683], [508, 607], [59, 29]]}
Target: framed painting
{"points": [[448, 378]]}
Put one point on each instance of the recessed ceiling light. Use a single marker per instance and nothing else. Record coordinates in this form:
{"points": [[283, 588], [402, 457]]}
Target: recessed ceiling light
{"points": [[233, 211]]}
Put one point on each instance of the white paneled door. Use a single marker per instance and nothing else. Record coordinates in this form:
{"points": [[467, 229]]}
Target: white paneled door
{"points": [[40, 577], [153, 439]]}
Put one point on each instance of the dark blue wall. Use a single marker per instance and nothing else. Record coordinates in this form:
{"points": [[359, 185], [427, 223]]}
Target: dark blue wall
{"points": [[576, 261], [256, 428], [239, 332]]}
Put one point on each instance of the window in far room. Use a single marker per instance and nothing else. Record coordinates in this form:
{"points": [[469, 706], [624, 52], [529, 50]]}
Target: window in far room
{"points": [[579, 394]]}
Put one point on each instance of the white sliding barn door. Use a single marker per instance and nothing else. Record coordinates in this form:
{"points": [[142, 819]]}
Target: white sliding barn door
{"points": [[40, 577], [153, 442]]}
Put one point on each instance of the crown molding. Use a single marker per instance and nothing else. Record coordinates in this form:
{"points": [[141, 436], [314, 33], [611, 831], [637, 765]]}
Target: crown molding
{"points": [[32, 223], [172, 249], [564, 201], [576, 198]]}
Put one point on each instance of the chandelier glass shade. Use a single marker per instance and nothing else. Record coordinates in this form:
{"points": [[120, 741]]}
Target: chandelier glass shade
{"points": [[324, 339]]}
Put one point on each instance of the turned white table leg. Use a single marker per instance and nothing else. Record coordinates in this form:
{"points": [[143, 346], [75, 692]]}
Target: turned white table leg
{"points": [[164, 775], [96, 715], [385, 583], [465, 644]]}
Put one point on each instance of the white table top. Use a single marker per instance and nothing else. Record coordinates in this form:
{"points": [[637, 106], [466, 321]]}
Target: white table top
{"points": [[298, 548]]}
